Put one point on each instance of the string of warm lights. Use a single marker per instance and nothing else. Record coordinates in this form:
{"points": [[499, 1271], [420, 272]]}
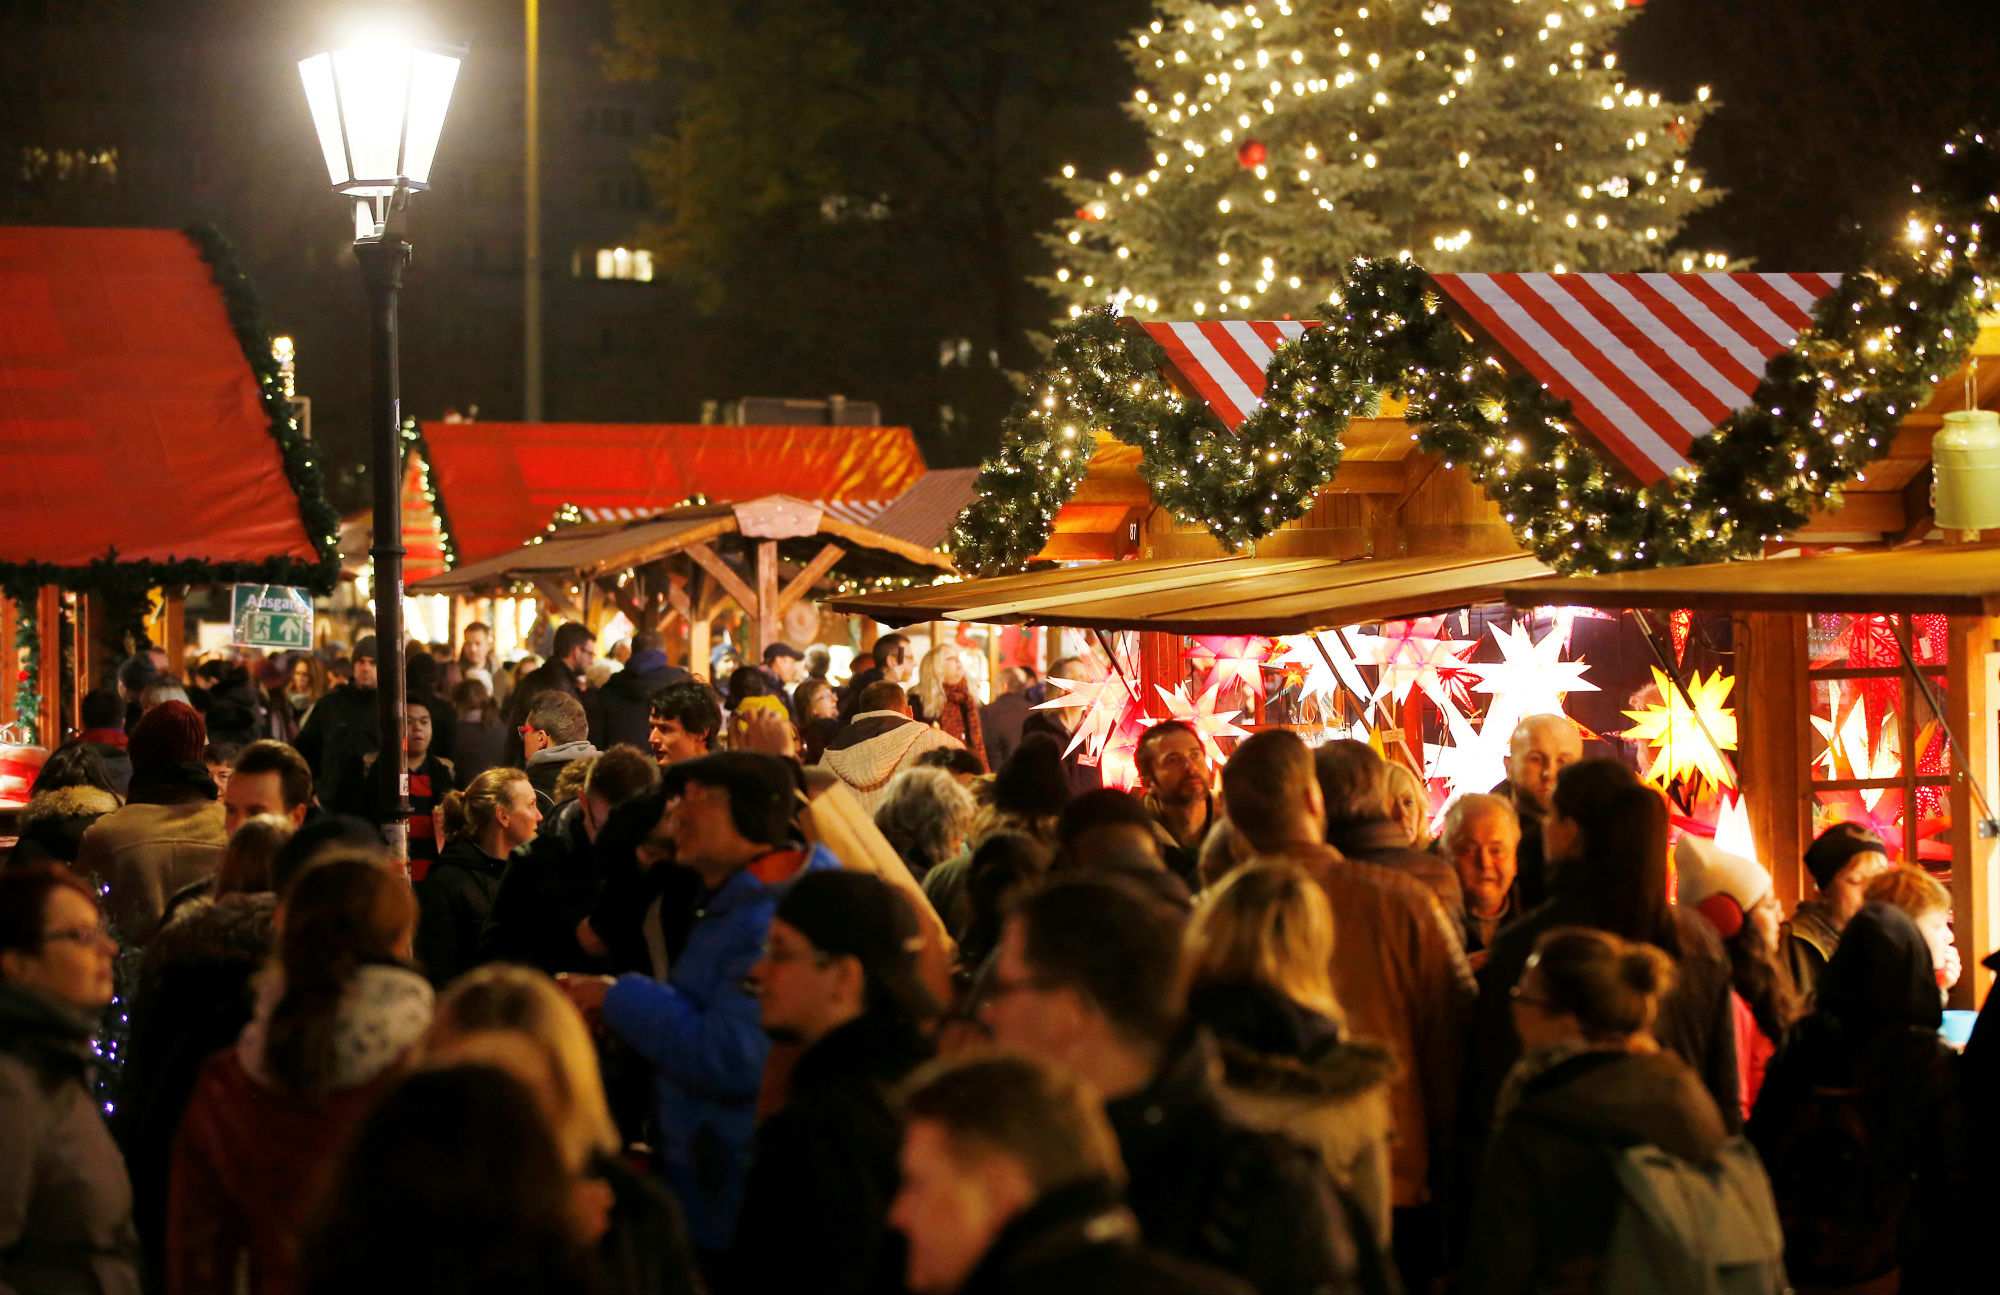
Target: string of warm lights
{"points": [[1828, 406], [414, 443], [1290, 136]]}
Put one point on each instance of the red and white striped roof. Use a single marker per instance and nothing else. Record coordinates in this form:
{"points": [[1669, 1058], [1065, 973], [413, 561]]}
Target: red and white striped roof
{"points": [[1648, 362], [1224, 359], [857, 512]]}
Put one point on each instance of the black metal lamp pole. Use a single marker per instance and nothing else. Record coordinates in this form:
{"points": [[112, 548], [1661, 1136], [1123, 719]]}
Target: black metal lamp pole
{"points": [[382, 260]]}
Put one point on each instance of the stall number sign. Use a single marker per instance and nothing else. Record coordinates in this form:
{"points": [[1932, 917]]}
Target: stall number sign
{"points": [[271, 616]]}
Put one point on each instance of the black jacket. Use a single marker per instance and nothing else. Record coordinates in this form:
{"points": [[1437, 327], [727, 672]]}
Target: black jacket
{"points": [[341, 729], [1532, 883], [1549, 1196], [453, 902], [1000, 723], [1873, 1032], [193, 999], [622, 710], [549, 887], [1078, 776], [823, 1169], [1078, 1240], [1210, 1190], [645, 1250]]}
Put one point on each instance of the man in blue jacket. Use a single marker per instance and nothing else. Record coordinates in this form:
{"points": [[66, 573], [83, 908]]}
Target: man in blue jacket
{"points": [[728, 818]]}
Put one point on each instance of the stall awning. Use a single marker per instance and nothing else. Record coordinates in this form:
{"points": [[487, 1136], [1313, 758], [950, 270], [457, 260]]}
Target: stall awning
{"points": [[1243, 595], [1961, 580], [501, 482], [130, 419], [1223, 360]]}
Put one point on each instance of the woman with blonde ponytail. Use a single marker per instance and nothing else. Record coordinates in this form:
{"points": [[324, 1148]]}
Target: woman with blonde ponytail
{"points": [[482, 825], [337, 1013], [1591, 1084]]}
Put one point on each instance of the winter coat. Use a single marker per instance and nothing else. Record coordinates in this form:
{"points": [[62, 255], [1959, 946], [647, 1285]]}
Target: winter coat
{"points": [[1208, 1189], [1382, 841], [549, 886], [545, 769], [1079, 1240], [1079, 776], [1874, 1029], [65, 1202], [1549, 1195], [481, 745], [1697, 1017], [51, 825], [454, 901], [960, 718], [341, 729], [1809, 939], [702, 1032], [1286, 1069], [192, 999], [429, 782], [1000, 722], [823, 1169], [146, 852], [252, 1157], [1403, 981], [1532, 882], [112, 748], [645, 1249], [622, 710], [875, 747]]}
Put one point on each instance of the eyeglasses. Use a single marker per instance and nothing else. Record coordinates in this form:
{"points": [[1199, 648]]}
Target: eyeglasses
{"points": [[84, 935]]}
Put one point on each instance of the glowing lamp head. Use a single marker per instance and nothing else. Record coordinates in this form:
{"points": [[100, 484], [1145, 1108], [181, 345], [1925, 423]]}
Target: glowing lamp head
{"points": [[378, 104]]}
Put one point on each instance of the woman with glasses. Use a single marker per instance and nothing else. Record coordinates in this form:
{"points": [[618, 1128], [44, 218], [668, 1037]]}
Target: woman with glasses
{"points": [[65, 1200]]}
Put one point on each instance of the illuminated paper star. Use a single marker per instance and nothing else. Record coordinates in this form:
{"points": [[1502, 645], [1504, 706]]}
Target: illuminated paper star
{"points": [[1473, 760], [1410, 655], [1680, 735], [1200, 715], [1119, 765], [1232, 658], [1323, 682], [1102, 701], [1531, 678]]}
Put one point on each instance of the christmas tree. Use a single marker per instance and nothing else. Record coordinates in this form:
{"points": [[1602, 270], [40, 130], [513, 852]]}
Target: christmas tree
{"points": [[1288, 136]]}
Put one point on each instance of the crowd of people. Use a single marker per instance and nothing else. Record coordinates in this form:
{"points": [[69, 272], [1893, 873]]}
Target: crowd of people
{"points": [[860, 986]]}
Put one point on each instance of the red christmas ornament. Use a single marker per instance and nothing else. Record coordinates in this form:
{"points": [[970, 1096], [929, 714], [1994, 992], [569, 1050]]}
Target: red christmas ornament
{"points": [[1086, 213], [1252, 154]]}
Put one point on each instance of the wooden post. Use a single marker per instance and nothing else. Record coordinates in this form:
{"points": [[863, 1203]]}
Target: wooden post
{"points": [[10, 670], [1773, 763], [1160, 666], [173, 625], [48, 673], [766, 610], [1971, 699]]}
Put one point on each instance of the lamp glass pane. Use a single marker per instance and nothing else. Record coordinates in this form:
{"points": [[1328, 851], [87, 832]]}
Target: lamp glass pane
{"points": [[317, 73], [433, 75], [372, 80]]}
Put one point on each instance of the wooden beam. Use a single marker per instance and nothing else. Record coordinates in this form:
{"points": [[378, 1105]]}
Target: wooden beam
{"points": [[173, 628], [801, 584], [1972, 694], [556, 597], [48, 666], [1917, 516], [1878, 514], [766, 610], [1368, 477], [9, 676], [724, 575], [1773, 762]]}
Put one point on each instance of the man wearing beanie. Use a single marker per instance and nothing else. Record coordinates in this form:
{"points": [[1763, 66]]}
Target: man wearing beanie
{"points": [[343, 728], [728, 819], [839, 976], [1842, 860], [170, 832]]}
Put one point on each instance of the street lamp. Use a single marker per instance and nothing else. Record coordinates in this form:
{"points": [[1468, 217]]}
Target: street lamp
{"points": [[379, 106]]}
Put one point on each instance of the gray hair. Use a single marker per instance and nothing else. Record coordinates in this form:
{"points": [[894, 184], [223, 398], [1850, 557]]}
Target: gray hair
{"points": [[925, 814], [160, 693], [1459, 816]]}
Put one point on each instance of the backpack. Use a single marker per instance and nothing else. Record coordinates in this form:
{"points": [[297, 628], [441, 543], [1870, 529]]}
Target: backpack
{"points": [[1841, 1206], [1688, 1229]]}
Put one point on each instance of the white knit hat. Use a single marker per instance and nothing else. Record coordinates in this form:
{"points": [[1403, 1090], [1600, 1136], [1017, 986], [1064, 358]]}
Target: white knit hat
{"points": [[1724, 886]]}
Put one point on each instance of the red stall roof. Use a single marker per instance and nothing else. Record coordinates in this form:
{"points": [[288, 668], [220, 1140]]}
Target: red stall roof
{"points": [[129, 417], [500, 483]]}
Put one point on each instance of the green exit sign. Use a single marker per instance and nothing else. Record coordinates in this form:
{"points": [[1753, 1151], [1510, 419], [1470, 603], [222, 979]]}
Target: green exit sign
{"points": [[271, 616]]}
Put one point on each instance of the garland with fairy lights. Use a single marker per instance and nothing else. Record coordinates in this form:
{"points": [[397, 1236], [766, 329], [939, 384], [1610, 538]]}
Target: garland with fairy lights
{"points": [[1828, 406], [414, 443]]}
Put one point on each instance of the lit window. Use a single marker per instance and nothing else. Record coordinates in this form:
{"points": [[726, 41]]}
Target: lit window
{"points": [[628, 263]]}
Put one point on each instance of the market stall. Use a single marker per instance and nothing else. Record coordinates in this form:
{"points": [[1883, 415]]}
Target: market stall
{"points": [[149, 446]]}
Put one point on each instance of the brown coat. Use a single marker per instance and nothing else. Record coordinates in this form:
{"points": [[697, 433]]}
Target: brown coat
{"points": [[144, 853], [1402, 980]]}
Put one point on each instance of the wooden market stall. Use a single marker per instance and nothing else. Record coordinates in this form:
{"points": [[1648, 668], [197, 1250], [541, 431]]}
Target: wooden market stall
{"points": [[767, 555], [1784, 608], [148, 445]]}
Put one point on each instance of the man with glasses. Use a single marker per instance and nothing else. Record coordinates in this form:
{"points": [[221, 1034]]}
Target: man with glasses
{"points": [[1178, 789], [728, 819]]}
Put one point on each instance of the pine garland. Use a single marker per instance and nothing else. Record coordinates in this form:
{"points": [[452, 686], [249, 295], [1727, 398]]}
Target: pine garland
{"points": [[1828, 406], [414, 443]]}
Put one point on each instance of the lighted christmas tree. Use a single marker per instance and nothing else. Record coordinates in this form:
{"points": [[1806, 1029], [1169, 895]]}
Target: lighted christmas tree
{"points": [[1288, 136]]}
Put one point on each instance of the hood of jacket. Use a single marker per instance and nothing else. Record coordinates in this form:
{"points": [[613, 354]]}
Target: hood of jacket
{"points": [[563, 753], [1271, 1045], [49, 1035], [466, 854], [383, 1013], [1624, 1098], [234, 928], [869, 750], [1880, 977], [67, 802]]}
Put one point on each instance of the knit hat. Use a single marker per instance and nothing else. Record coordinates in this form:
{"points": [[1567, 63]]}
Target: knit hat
{"points": [[854, 914], [364, 647], [1724, 886], [1836, 847], [169, 734]]}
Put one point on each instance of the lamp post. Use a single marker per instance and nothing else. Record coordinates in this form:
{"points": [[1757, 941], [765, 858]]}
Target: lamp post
{"points": [[378, 106]]}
